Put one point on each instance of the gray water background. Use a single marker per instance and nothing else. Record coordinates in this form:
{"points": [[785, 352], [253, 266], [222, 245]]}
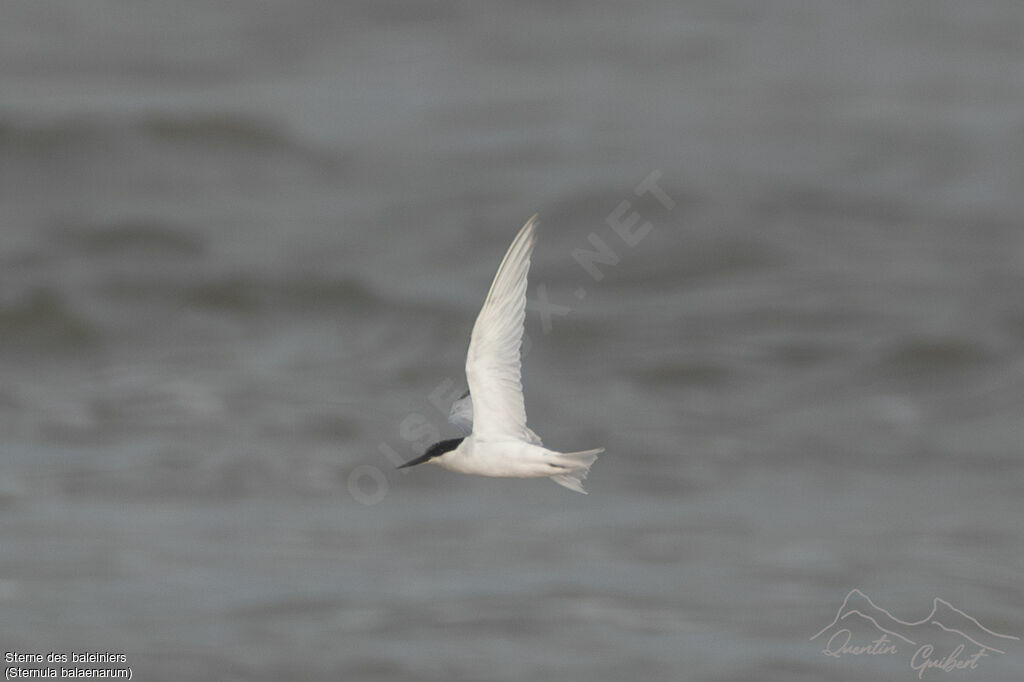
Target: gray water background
{"points": [[242, 243]]}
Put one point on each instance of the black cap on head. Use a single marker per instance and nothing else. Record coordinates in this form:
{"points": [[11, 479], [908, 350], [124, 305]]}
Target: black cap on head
{"points": [[435, 450]]}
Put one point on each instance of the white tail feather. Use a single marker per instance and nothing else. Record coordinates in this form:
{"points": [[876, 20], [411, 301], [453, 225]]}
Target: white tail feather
{"points": [[580, 463]]}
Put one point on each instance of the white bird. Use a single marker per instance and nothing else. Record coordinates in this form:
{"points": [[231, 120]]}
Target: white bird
{"points": [[492, 411]]}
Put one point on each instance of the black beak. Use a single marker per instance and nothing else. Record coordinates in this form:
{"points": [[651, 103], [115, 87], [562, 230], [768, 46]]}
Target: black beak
{"points": [[419, 460]]}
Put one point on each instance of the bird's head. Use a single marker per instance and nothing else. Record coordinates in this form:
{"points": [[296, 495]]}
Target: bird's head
{"points": [[434, 451]]}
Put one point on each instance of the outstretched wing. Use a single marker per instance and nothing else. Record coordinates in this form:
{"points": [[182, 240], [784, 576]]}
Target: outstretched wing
{"points": [[461, 415], [493, 365]]}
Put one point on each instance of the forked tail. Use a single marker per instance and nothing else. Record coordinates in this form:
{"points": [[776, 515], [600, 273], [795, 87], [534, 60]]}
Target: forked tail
{"points": [[579, 466]]}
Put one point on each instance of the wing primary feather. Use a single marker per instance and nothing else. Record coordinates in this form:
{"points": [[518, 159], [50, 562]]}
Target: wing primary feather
{"points": [[524, 241]]}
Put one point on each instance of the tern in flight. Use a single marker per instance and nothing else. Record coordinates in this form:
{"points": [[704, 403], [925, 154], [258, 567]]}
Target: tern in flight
{"points": [[492, 412]]}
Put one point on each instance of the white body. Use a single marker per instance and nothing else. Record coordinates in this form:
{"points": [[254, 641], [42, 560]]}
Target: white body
{"points": [[500, 444], [516, 459]]}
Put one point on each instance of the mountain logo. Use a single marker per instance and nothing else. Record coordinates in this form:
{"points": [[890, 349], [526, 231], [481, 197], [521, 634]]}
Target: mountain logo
{"points": [[946, 640]]}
